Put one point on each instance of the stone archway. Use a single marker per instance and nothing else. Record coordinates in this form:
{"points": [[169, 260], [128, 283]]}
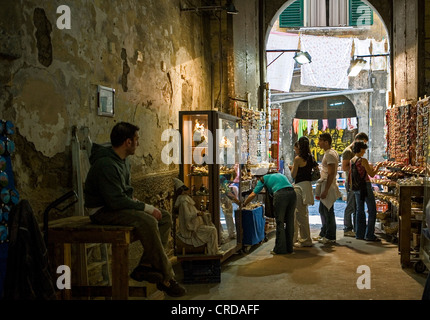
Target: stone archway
{"points": [[371, 89]]}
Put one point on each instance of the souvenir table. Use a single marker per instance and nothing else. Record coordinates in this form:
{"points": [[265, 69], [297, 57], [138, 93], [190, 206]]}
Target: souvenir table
{"points": [[253, 222]]}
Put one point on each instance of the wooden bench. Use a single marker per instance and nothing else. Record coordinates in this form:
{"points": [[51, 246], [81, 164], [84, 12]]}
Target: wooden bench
{"points": [[79, 229]]}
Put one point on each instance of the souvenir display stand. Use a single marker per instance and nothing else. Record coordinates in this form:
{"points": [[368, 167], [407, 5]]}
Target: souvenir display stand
{"points": [[259, 148], [424, 262], [9, 196], [253, 223], [402, 178], [275, 127], [210, 149]]}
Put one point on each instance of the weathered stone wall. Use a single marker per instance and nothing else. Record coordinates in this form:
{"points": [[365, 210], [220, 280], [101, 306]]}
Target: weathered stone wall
{"points": [[246, 53], [153, 55]]}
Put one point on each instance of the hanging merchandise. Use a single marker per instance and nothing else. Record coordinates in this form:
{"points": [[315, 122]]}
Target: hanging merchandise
{"points": [[296, 125], [315, 127], [332, 123], [406, 133], [352, 123], [325, 124], [422, 131], [8, 194]]}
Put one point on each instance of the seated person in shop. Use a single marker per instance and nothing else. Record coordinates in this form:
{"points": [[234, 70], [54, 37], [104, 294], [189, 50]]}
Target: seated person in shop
{"points": [[109, 200], [195, 227], [226, 197]]}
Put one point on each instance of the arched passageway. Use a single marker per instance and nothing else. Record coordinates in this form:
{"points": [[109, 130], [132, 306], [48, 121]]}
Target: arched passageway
{"points": [[365, 95]]}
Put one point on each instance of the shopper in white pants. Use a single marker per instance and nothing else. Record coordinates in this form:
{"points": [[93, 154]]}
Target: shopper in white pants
{"points": [[301, 171]]}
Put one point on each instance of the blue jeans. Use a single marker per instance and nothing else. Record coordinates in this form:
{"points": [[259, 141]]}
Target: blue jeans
{"points": [[349, 214], [364, 231], [284, 203], [328, 220]]}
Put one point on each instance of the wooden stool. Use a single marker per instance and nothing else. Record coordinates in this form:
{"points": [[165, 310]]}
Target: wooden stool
{"points": [[79, 229]]}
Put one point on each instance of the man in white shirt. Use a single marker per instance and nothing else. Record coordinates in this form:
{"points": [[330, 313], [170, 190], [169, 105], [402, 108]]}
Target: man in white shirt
{"points": [[327, 189]]}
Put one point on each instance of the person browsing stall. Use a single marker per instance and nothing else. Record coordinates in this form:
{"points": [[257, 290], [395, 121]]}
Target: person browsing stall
{"points": [[360, 183], [350, 209], [302, 174], [284, 202]]}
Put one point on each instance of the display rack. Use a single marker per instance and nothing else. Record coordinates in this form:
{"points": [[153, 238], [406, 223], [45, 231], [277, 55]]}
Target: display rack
{"points": [[400, 206], [423, 156], [209, 154], [9, 195], [275, 136], [406, 179]]}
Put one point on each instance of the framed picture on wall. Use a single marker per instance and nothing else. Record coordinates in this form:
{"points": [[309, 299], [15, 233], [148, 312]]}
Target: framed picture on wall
{"points": [[106, 101]]}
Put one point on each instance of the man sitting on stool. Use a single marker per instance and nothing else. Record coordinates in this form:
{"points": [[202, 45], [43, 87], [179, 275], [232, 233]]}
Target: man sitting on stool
{"points": [[109, 200]]}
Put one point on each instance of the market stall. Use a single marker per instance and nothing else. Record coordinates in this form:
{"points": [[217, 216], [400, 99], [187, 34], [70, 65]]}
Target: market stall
{"points": [[402, 178]]}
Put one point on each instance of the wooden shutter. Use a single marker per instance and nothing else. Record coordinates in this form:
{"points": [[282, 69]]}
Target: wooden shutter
{"points": [[360, 14], [292, 16]]}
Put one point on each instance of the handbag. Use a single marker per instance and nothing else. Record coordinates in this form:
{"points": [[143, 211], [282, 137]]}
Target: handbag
{"points": [[315, 174]]}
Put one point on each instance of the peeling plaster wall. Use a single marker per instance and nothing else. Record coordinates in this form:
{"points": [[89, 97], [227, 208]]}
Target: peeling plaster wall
{"points": [[246, 52], [151, 54]]}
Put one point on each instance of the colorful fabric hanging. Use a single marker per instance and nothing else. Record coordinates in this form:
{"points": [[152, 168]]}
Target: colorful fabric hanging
{"points": [[309, 126], [296, 125], [325, 125], [302, 127], [315, 127], [352, 123]]}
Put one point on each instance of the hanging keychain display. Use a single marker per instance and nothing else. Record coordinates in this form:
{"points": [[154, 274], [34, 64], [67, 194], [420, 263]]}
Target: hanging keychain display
{"points": [[9, 196]]}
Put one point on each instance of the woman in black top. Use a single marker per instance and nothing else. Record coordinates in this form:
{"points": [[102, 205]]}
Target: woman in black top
{"points": [[302, 175]]}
